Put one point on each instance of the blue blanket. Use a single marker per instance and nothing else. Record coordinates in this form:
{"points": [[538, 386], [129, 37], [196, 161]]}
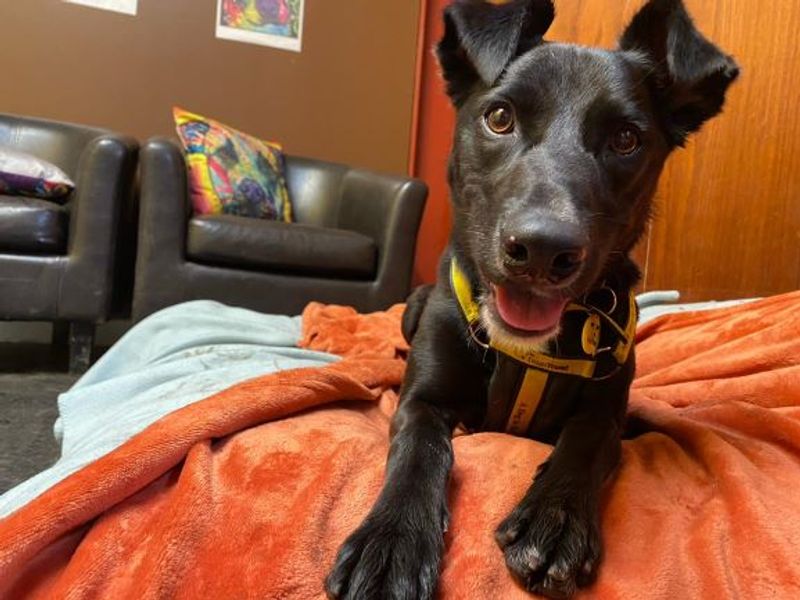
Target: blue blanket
{"points": [[177, 356]]}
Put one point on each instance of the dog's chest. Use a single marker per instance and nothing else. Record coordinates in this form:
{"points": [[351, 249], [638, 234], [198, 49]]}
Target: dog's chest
{"points": [[533, 394]]}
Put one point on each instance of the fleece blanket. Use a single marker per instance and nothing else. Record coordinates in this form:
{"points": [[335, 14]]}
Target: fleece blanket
{"points": [[183, 354], [173, 358], [248, 493]]}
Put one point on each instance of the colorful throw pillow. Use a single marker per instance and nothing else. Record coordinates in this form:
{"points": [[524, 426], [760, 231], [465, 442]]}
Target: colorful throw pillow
{"points": [[231, 172], [23, 174]]}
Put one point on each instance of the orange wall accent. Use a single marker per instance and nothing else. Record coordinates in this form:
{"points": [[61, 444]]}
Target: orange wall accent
{"points": [[434, 135]]}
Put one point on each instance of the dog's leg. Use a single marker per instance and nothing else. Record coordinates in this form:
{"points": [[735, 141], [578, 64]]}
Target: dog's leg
{"points": [[551, 540], [415, 305], [395, 553]]}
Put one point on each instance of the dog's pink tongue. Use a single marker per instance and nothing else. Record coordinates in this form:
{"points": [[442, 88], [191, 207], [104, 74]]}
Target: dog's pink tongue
{"points": [[528, 312]]}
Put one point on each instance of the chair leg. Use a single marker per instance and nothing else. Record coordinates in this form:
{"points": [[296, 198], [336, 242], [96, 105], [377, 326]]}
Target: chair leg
{"points": [[81, 342], [60, 335]]}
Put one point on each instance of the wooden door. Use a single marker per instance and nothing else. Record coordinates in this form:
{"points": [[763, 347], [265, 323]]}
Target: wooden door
{"points": [[728, 207]]}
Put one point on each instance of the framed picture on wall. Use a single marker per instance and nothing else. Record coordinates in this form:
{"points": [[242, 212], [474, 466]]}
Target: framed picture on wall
{"points": [[127, 7], [274, 23]]}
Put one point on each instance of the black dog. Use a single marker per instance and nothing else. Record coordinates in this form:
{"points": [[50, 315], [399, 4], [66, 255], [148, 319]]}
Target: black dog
{"points": [[556, 156]]}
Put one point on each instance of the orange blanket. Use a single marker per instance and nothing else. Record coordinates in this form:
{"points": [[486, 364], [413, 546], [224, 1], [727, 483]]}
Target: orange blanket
{"points": [[248, 494]]}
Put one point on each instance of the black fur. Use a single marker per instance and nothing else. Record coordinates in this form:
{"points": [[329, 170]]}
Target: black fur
{"points": [[689, 75], [554, 187]]}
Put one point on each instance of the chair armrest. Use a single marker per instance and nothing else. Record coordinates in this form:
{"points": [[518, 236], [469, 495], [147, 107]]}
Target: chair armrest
{"points": [[388, 209], [164, 208], [104, 181], [164, 212]]}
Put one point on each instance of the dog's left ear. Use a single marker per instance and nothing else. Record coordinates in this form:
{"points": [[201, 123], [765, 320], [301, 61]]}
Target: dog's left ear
{"points": [[481, 38], [691, 75]]}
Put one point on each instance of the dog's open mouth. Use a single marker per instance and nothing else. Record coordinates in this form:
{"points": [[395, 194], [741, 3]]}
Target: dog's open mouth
{"points": [[526, 313]]}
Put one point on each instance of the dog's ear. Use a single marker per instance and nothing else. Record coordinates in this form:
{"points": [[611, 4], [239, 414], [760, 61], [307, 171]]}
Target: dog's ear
{"points": [[481, 38], [690, 74]]}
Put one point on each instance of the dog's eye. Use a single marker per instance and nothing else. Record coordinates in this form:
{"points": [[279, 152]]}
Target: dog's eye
{"points": [[625, 141], [500, 119]]}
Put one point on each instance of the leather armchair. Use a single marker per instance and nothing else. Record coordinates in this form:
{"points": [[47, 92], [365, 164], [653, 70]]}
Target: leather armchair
{"points": [[57, 260], [352, 241]]}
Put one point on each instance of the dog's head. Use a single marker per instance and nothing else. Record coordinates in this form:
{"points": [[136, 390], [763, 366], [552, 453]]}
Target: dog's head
{"points": [[558, 147]]}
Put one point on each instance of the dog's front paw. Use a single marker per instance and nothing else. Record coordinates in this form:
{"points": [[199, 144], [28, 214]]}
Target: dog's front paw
{"points": [[552, 545], [391, 556]]}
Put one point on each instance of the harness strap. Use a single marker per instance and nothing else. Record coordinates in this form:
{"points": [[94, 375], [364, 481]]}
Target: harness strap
{"points": [[530, 395], [537, 366]]}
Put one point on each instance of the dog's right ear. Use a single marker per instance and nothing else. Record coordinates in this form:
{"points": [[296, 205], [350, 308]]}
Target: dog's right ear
{"points": [[481, 38]]}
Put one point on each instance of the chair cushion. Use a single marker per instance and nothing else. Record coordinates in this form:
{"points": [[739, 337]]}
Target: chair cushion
{"points": [[281, 247], [22, 174], [32, 226], [231, 172]]}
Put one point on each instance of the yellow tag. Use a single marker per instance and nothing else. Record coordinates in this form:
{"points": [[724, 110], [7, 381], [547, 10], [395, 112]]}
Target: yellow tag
{"points": [[590, 338]]}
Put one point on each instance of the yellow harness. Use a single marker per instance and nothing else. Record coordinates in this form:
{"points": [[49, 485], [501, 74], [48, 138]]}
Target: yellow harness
{"points": [[593, 363]]}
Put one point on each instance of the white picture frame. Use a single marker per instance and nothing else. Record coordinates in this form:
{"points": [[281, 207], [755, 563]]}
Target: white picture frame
{"points": [[126, 7], [282, 28]]}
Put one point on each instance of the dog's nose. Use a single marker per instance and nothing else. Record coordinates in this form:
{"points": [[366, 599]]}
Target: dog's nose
{"points": [[546, 253]]}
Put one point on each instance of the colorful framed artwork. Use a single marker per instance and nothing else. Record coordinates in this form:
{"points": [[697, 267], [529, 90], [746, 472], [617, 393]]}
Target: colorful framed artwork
{"points": [[127, 7], [275, 23]]}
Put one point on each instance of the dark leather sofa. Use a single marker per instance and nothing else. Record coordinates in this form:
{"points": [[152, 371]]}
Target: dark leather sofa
{"points": [[352, 241], [57, 260]]}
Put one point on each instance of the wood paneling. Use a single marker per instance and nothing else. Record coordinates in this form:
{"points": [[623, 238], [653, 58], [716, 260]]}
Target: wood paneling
{"points": [[728, 207], [347, 97], [738, 187], [728, 220]]}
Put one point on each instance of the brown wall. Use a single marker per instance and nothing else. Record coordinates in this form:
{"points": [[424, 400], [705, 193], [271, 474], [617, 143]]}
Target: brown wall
{"points": [[347, 97]]}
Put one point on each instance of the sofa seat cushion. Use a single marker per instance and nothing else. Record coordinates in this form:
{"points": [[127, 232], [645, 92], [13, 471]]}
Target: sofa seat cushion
{"points": [[32, 226], [280, 247]]}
